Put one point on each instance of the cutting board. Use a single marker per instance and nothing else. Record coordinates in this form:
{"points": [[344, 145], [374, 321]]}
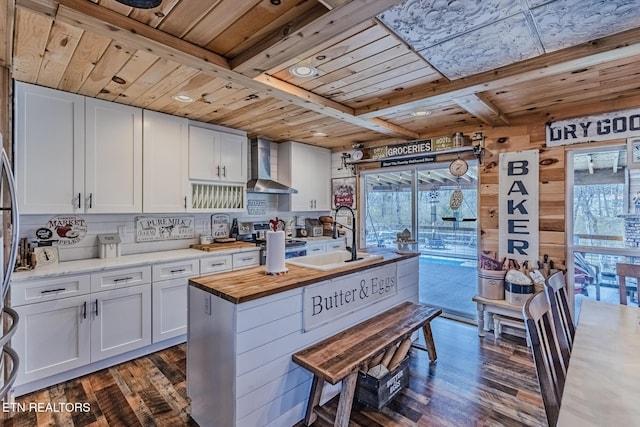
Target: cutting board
{"points": [[222, 246]]}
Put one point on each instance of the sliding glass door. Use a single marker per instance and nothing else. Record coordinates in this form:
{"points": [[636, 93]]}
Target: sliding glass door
{"points": [[439, 210]]}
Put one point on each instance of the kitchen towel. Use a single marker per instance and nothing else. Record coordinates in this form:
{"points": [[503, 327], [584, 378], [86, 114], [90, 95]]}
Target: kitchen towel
{"points": [[275, 252]]}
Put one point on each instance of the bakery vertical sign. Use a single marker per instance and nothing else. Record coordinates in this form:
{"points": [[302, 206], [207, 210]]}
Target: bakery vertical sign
{"points": [[518, 205]]}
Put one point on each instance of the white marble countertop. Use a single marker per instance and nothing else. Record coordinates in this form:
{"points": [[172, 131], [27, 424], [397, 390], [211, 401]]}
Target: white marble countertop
{"points": [[99, 264]]}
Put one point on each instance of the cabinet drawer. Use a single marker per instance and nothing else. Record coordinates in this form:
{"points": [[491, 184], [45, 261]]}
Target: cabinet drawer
{"points": [[246, 259], [335, 246], [216, 264], [175, 270], [33, 291], [120, 278], [315, 249]]}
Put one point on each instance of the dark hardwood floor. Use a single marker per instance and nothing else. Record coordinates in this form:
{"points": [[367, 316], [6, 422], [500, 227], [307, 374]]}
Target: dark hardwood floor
{"points": [[475, 382]]}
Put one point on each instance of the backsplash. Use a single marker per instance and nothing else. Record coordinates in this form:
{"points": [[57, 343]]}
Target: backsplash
{"points": [[124, 224]]}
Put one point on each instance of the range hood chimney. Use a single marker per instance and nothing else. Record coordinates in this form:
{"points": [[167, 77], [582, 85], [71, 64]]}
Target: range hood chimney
{"points": [[261, 181]]}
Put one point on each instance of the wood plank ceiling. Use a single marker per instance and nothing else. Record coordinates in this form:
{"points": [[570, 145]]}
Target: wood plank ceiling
{"points": [[233, 58]]}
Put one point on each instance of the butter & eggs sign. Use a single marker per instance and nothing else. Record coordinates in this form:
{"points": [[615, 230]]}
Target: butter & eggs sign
{"points": [[326, 301]]}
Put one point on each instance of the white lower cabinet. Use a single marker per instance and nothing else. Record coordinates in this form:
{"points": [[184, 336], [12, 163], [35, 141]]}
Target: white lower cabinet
{"points": [[121, 321], [169, 298], [169, 309], [52, 337]]}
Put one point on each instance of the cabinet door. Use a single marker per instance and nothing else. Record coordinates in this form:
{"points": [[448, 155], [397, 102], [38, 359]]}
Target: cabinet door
{"points": [[113, 166], [321, 190], [336, 245], [49, 135], [165, 162], [52, 337], [298, 162], [233, 157], [169, 309], [204, 162], [121, 321]]}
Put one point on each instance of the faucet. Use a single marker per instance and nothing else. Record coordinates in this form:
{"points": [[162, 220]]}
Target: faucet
{"points": [[354, 253]]}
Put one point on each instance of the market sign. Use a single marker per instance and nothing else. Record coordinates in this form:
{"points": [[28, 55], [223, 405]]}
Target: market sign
{"points": [[326, 301], [518, 205], [406, 162], [621, 124]]}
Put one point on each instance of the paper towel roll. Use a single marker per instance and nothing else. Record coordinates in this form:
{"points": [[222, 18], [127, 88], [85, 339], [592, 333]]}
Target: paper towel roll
{"points": [[275, 252]]}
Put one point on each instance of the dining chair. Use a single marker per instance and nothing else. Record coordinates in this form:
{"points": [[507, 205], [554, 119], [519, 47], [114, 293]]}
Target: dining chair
{"points": [[556, 290], [550, 367], [623, 271]]}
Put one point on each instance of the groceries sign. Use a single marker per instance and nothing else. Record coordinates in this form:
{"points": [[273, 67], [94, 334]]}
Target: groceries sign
{"points": [[329, 300], [621, 124], [518, 205]]}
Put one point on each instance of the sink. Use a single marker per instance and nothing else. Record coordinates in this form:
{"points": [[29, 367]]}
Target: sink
{"points": [[331, 260]]}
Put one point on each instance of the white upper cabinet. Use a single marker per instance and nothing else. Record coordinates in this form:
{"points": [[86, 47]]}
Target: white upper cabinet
{"points": [[307, 169], [49, 134], [165, 163], [76, 154], [113, 157], [216, 155]]}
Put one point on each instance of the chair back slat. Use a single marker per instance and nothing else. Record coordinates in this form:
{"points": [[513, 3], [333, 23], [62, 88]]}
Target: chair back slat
{"points": [[556, 290], [550, 366]]}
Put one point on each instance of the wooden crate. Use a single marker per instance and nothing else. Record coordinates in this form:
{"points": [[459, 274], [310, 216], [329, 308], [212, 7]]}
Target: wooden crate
{"points": [[377, 393]]}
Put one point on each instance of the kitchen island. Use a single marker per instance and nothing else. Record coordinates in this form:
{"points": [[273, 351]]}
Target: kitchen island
{"points": [[244, 326]]}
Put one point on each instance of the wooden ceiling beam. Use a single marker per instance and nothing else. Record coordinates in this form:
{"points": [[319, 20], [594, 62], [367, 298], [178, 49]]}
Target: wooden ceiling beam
{"points": [[96, 19], [297, 41], [483, 109], [618, 46], [334, 109]]}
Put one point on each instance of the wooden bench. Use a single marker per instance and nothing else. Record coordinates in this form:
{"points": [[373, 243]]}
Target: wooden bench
{"points": [[339, 357]]}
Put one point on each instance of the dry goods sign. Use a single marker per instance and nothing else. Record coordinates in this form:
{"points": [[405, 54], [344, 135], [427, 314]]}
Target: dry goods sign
{"points": [[603, 127], [518, 205], [327, 301]]}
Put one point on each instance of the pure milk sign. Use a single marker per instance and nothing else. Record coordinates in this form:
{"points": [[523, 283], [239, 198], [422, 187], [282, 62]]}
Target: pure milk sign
{"points": [[329, 300], [518, 205]]}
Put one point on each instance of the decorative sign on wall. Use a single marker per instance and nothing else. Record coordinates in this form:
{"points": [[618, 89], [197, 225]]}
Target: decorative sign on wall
{"points": [[518, 205], [149, 229], [256, 207], [620, 124], [65, 230], [329, 300], [343, 192]]}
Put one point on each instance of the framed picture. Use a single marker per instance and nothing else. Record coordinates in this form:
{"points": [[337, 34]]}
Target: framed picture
{"points": [[343, 192], [633, 152]]}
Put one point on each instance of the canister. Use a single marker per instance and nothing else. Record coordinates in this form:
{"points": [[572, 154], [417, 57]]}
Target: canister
{"points": [[517, 294], [491, 284]]}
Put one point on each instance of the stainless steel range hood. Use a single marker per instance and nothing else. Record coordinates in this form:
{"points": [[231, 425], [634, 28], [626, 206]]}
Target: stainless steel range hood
{"points": [[261, 181]]}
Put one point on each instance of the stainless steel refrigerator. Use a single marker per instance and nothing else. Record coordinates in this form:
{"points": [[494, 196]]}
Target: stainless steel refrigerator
{"points": [[8, 249]]}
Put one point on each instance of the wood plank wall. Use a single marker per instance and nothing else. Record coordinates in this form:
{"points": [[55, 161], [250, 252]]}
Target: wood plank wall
{"points": [[552, 187]]}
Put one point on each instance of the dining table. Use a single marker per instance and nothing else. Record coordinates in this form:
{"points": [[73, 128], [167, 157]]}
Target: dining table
{"points": [[602, 387]]}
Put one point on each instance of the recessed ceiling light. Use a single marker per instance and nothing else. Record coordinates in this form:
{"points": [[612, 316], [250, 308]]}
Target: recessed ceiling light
{"points": [[319, 134], [183, 98], [420, 113], [303, 70]]}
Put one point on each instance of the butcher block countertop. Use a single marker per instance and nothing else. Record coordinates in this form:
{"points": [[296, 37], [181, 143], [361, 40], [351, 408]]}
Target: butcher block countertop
{"points": [[253, 283]]}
